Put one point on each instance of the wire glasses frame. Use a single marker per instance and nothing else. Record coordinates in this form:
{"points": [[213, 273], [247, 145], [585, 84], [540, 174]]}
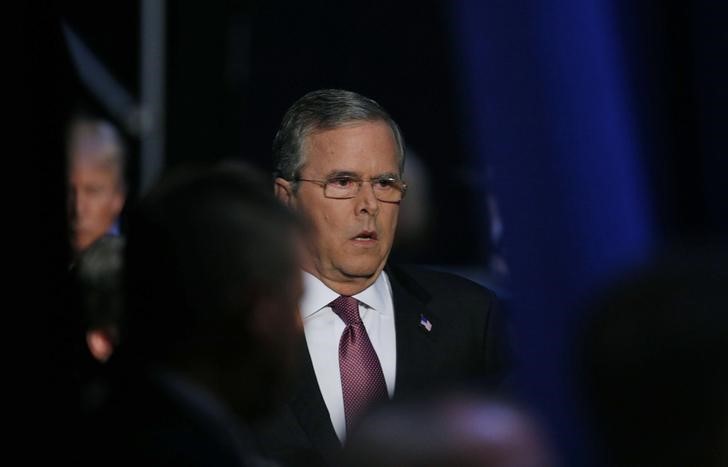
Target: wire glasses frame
{"points": [[387, 189]]}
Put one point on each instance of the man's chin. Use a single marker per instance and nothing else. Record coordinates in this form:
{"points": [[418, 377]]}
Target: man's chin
{"points": [[361, 274], [361, 271], [81, 241], [349, 276]]}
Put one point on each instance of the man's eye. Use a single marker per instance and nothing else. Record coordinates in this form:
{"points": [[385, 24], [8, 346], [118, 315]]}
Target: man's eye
{"points": [[385, 183], [93, 190], [341, 182]]}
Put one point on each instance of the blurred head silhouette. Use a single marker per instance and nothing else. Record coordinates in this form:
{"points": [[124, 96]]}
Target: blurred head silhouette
{"points": [[213, 283], [96, 189], [451, 430], [656, 360]]}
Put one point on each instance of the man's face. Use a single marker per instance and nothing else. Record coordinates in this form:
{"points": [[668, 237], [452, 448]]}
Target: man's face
{"points": [[95, 200], [351, 238]]}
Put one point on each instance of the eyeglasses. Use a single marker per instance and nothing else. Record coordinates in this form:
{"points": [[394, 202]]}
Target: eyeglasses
{"points": [[387, 189]]}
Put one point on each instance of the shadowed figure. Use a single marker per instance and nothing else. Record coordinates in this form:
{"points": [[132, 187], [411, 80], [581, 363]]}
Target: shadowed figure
{"points": [[655, 364], [455, 430], [99, 275], [212, 284]]}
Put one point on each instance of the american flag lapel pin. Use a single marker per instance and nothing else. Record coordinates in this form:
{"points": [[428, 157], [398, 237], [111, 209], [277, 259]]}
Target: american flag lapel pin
{"points": [[425, 323]]}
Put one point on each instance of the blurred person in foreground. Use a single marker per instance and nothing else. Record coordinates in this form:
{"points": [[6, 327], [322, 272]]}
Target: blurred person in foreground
{"points": [[656, 364], [450, 430], [212, 284], [373, 331], [96, 163]]}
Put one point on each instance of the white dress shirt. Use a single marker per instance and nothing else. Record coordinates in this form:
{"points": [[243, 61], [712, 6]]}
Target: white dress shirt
{"points": [[323, 329]]}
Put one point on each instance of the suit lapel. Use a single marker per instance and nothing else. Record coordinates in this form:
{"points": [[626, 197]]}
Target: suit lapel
{"points": [[310, 409], [415, 344]]}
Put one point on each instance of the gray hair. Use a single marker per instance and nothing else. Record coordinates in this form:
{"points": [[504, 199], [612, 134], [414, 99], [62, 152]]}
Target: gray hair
{"points": [[96, 140], [324, 109]]}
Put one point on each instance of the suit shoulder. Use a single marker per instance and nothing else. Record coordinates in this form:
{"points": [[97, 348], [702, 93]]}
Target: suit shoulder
{"points": [[432, 282]]}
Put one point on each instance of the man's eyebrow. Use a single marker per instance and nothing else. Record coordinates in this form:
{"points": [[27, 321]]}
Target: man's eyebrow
{"points": [[393, 175], [350, 174], [342, 173]]}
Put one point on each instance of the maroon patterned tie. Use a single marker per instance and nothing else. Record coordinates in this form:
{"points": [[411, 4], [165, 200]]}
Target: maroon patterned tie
{"points": [[362, 380]]}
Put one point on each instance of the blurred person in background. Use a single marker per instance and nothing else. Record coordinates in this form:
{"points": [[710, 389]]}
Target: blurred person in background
{"points": [[99, 276], [99, 301], [96, 164], [450, 430], [212, 282], [655, 364]]}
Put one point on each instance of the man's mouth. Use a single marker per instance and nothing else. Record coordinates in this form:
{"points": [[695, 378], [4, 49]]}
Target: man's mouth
{"points": [[365, 235]]}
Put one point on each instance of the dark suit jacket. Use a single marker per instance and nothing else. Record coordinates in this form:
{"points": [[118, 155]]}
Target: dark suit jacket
{"points": [[465, 345], [144, 420]]}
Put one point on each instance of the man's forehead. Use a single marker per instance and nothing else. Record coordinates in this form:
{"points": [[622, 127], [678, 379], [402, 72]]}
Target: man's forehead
{"points": [[344, 125], [350, 127], [359, 148], [339, 169], [95, 174], [81, 160]]}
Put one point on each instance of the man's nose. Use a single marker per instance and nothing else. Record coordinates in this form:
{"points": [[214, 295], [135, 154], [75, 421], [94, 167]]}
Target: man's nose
{"points": [[367, 202], [72, 202], [79, 205]]}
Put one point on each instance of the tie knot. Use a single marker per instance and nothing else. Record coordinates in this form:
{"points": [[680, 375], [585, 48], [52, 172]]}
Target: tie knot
{"points": [[347, 308]]}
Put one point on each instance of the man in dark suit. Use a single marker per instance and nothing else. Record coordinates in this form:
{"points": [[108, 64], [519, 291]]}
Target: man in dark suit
{"points": [[372, 332]]}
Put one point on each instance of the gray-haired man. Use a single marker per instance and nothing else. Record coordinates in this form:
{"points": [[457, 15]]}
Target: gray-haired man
{"points": [[373, 331]]}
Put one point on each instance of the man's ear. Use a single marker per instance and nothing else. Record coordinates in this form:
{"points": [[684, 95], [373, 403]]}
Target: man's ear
{"points": [[118, 202], [283, 190]]}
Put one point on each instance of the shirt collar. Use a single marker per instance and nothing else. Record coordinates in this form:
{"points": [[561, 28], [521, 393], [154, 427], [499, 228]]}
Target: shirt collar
{"points": [[317, 296]]}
